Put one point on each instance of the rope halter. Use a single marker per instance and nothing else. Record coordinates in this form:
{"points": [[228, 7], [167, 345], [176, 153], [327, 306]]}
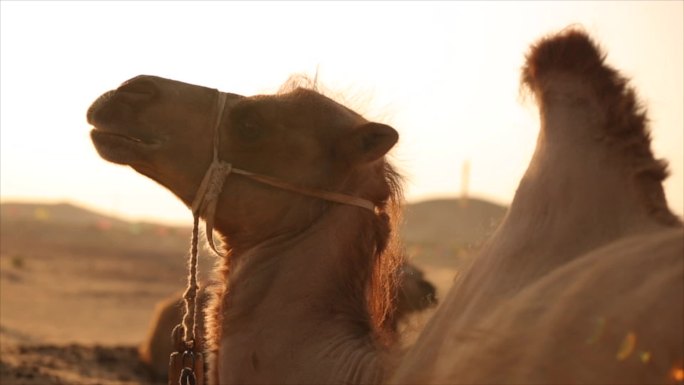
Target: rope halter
{"points": [[207, 194]]}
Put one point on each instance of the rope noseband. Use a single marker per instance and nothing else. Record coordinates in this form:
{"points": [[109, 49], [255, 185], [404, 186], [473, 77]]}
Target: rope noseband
{"points": [[204, 205]]}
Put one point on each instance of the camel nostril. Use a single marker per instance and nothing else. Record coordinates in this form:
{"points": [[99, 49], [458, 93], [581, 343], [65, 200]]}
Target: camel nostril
{"points": [[95, 108], [142, 87]]}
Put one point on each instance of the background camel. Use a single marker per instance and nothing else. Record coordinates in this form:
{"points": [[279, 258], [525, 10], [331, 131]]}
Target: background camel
{"points": [[583, 280], [415, 294], [567, 290]]}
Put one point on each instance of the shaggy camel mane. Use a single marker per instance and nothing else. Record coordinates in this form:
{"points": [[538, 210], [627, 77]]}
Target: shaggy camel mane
{"points": [[382, 270], [385, 265], [626, 123]]}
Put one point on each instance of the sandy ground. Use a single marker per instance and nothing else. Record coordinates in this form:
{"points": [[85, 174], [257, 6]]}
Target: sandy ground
{"points": [[63, 325], [71, 364], [76, 300]]}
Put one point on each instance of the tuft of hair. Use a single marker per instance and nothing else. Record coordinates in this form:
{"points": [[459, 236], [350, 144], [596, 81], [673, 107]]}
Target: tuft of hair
{"points": [[213, 317], [385, 276], [572, 51], [299, 81], [357, 100]]}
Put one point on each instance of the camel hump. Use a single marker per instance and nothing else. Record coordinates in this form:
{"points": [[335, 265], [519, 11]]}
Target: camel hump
{"points": [[571, 51]]}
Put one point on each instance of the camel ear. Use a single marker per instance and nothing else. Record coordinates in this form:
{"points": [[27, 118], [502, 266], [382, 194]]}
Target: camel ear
{"points": [[367, 142]]}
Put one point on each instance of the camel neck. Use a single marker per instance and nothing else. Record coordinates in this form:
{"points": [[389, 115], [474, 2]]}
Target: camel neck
{"points": [[293, 299]]}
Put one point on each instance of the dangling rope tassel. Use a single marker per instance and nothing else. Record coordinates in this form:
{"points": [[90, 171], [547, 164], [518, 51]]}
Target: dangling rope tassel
{"points": [[186, 364], [190, 294]]}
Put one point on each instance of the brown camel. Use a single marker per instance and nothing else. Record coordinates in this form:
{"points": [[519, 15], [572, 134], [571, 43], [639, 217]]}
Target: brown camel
{"points": [[583, 281], [415, 294], [306, 280]]}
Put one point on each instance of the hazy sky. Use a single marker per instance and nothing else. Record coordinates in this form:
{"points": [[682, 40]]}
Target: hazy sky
{"points": [[444, 74]]}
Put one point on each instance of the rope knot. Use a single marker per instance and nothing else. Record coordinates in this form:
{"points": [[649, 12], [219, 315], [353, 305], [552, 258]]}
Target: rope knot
{"points": [[191, 291], [219, 171], [187, 377]]}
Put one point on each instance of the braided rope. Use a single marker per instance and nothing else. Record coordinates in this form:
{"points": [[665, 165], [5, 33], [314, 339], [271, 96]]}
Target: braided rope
{"points": [[204, 203], [190, 295]]}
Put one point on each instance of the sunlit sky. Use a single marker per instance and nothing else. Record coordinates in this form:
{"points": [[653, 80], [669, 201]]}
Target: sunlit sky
{"points": [[444, 74]]}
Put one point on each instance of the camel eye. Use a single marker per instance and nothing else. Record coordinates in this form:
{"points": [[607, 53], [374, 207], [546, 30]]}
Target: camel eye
{"points": [[249, 131]]}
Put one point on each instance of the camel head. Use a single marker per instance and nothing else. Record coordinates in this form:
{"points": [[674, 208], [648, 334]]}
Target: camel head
{"points": [[415, 293], [157, 126], [164, 129]]}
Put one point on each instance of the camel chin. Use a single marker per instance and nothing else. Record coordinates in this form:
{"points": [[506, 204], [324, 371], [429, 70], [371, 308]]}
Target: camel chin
{"points": [[120, 148]]}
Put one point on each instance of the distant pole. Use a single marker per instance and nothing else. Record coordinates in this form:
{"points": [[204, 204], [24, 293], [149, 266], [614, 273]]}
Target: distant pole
{"points": [[465, 181]]}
